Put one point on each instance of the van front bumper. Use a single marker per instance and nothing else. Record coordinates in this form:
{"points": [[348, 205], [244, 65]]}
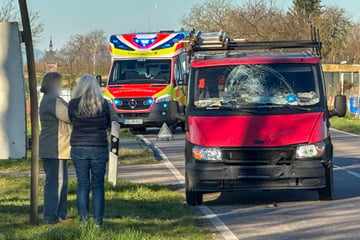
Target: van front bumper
{"points": [[215, 177]]}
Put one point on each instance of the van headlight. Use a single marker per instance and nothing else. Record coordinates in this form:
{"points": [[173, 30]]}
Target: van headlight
{"points": [[310, 150], [204, 153], [164, 98]]}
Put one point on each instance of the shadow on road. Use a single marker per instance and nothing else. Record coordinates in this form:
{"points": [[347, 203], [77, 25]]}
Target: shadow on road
{"points": [[261, 197]]}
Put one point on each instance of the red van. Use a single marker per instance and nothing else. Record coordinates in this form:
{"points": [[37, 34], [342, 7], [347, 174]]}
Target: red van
{"points": [[256, 117]]}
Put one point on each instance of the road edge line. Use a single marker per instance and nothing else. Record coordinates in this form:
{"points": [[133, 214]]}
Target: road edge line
{"points": [[352, 173], [220, 226], [347, 133]]}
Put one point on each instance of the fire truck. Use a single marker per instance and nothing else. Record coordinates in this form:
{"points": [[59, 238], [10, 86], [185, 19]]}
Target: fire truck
{"points": [[256, 117], [146, 73]]}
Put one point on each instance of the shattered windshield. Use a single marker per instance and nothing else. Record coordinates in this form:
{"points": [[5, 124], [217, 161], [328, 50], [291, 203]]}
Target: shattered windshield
{"points": [[253, 85], [140, 71]]}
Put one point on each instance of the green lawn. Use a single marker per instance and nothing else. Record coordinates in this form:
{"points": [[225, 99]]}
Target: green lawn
{"points": [[126, 157], [129, 156], [126, 133], [348, 124], [133, 212]]}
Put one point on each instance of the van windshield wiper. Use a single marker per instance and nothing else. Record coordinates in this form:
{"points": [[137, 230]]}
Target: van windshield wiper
{"points": [[283, 106], [297, 107], [234, 108]]}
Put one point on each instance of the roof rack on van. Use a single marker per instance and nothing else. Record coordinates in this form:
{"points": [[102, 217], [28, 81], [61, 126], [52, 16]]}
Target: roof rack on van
{"points": [[219, 41]]}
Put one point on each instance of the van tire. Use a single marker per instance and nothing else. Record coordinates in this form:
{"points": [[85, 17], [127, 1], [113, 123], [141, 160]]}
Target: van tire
{"points": [[182, 125], [326, 194], [193, 198]]}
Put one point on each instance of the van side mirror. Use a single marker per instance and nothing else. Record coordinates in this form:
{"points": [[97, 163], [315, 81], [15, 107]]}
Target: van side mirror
{"points": [[183, 81], [174, 113], [339, 106], [99, 80]]}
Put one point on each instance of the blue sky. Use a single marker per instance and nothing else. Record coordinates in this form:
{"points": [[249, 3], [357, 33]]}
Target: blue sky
{"points": [[64, 18]]}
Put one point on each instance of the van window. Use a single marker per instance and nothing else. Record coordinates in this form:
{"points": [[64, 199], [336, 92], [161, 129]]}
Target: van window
{"points": [[184, 63], [177, 70]]}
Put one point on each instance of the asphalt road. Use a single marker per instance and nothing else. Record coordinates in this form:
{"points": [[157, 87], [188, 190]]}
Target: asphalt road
{"points": [[288, 214]]}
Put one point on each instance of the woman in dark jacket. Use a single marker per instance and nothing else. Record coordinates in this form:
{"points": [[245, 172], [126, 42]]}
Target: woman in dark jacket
{"points": [[54, 147], [90, 116]]}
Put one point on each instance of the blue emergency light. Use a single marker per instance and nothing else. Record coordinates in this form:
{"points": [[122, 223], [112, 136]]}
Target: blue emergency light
{"points": [[144, 42], [171, 42], [148, 101], [118, 44], [118, 102]]}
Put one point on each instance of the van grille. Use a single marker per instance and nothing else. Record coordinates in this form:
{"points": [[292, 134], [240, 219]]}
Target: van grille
{"points": [[259, 156]]}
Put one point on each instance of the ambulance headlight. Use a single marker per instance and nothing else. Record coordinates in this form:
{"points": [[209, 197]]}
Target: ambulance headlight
{"points": [[310, 150], [164, 98], [204, 153], [118, 102]]}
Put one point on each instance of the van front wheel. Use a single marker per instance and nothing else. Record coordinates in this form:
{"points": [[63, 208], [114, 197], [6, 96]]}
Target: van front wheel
{"points": [[326, 194], [193, 198]]}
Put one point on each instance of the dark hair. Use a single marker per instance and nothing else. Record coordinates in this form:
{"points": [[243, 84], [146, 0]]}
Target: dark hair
{"points": [[48, 82]]}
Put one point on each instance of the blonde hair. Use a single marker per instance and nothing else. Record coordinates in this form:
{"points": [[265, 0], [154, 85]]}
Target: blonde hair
{"points": [[91, 98]]}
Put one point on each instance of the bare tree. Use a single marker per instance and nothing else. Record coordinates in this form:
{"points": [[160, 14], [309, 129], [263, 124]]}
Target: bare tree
{"points": [[9, 12], [351, 52], [84, 53], [211, 15], [336, 28], [264, 20]]}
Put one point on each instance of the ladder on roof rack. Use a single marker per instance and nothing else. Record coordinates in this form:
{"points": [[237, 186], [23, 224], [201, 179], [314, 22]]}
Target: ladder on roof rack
{"points": [[219, 41]]}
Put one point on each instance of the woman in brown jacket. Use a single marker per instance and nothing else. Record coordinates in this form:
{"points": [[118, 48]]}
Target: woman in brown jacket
{"points": [[54, 147]]}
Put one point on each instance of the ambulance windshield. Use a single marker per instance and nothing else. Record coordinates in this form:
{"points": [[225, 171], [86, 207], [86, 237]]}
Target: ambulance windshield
{"points": [[140, 71]]}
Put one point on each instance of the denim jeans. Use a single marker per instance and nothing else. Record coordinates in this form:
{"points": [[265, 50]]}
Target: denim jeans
{"points": [[90, 166], [55, 189]]}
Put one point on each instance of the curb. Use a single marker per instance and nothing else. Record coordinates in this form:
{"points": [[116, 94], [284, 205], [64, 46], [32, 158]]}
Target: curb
{"points": [[146, 143]]}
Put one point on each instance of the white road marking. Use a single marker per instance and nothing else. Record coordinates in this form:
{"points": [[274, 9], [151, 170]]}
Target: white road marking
{"points": [[225, 232], [355, 174], [352, 173], [347, 133]]}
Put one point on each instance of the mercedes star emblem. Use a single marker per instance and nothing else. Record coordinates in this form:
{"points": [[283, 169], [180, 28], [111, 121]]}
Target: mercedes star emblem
{"points": [[132, 103]]}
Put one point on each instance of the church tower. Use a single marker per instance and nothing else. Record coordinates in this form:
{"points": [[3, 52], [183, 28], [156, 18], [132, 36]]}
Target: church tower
{"points": [[50, 59]]}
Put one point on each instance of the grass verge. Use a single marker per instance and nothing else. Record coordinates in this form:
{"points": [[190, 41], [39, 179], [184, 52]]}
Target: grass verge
{"points": [[17, 164], [127, 156], [348, 124], [126, 133], [133, 212]]}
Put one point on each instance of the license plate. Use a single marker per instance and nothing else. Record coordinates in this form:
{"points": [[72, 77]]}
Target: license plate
{"points": [[133, 121], [260, 173]]}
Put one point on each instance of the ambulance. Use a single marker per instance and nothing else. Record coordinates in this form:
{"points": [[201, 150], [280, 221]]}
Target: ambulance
{"points": [[146, 73]]}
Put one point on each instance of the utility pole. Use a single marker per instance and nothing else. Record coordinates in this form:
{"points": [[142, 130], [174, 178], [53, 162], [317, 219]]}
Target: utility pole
{"points": [[94, 57], [27, 38]]}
